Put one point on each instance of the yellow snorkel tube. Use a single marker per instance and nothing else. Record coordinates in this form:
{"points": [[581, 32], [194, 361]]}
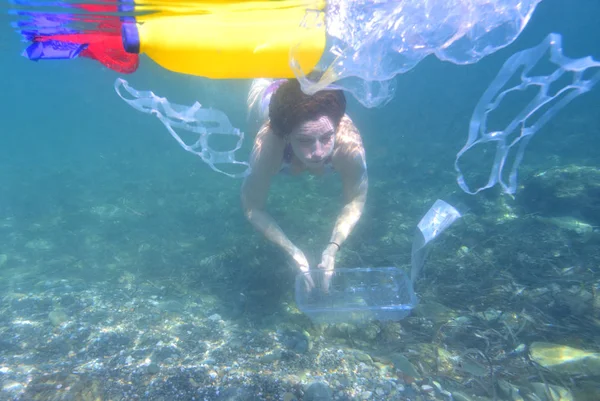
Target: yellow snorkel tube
{"points": [[227, 39]]}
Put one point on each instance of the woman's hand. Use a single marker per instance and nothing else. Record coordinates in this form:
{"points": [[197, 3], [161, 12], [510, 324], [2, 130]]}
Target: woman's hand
{"points": [[328, 257], [300, 260], [328, 264], [302, 265]]}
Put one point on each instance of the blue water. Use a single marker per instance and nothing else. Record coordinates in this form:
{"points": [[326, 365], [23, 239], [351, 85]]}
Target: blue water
{"points": [[98, 196]]}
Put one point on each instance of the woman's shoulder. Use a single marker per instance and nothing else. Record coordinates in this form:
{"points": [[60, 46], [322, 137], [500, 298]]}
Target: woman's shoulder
{"points": [[346, 123], [267, 153], [267, 137], [348, 139]]}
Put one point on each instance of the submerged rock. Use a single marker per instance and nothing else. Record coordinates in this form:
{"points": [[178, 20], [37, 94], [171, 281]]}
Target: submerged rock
{"points": [[361, 357], [587, 390], [435, 312], [273, 356], [551, 392], [404, 365], [296, 340], [534, 391], [580, 302], [57, 317], [509, 391], [318, 391], [460, 396], [289, 397], [570, 224], [64, 386], [562, 359], [562, 189]]}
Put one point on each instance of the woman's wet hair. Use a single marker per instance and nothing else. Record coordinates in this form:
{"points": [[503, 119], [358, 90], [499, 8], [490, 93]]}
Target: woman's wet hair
{"points": [[290, 107]]}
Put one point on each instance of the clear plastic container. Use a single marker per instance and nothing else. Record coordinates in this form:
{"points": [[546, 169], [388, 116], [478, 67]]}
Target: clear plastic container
{"points": [[355, 295]]}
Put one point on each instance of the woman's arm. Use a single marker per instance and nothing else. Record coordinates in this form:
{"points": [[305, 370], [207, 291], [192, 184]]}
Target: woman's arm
{"points": [[265, 161], [355, 184], [351, 164]]}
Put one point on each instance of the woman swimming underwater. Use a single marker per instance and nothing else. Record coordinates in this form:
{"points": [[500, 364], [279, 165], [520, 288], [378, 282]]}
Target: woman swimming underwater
{"points": [[309, 134]]}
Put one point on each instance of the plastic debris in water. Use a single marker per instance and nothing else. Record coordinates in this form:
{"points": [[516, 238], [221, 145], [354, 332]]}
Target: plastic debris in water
{"points": [[550, 98]]}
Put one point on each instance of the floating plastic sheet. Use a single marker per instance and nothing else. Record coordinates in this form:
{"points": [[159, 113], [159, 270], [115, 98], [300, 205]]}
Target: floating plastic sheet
{"points": [[536, 113], [195, 119], [436, 220], [370, 42]]}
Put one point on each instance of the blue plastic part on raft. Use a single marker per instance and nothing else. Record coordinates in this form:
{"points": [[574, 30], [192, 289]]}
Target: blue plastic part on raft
{"points": [[126, 6], [131, 37], [53, 50], [36, 25], [33, 25]]}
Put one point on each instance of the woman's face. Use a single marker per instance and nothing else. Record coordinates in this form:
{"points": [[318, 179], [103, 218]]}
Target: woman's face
{"points": [[313, 141]]}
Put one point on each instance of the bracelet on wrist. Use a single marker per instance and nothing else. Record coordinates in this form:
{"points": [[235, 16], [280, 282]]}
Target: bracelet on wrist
{"points": [[335, 243]]}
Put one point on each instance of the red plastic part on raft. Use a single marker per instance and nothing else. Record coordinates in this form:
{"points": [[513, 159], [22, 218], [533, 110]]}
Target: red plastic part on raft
{"points": [[103, 44]]}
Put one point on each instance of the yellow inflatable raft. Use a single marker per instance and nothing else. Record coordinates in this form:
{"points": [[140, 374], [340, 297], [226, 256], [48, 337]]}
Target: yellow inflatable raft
{"points": [[227, 39]]}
